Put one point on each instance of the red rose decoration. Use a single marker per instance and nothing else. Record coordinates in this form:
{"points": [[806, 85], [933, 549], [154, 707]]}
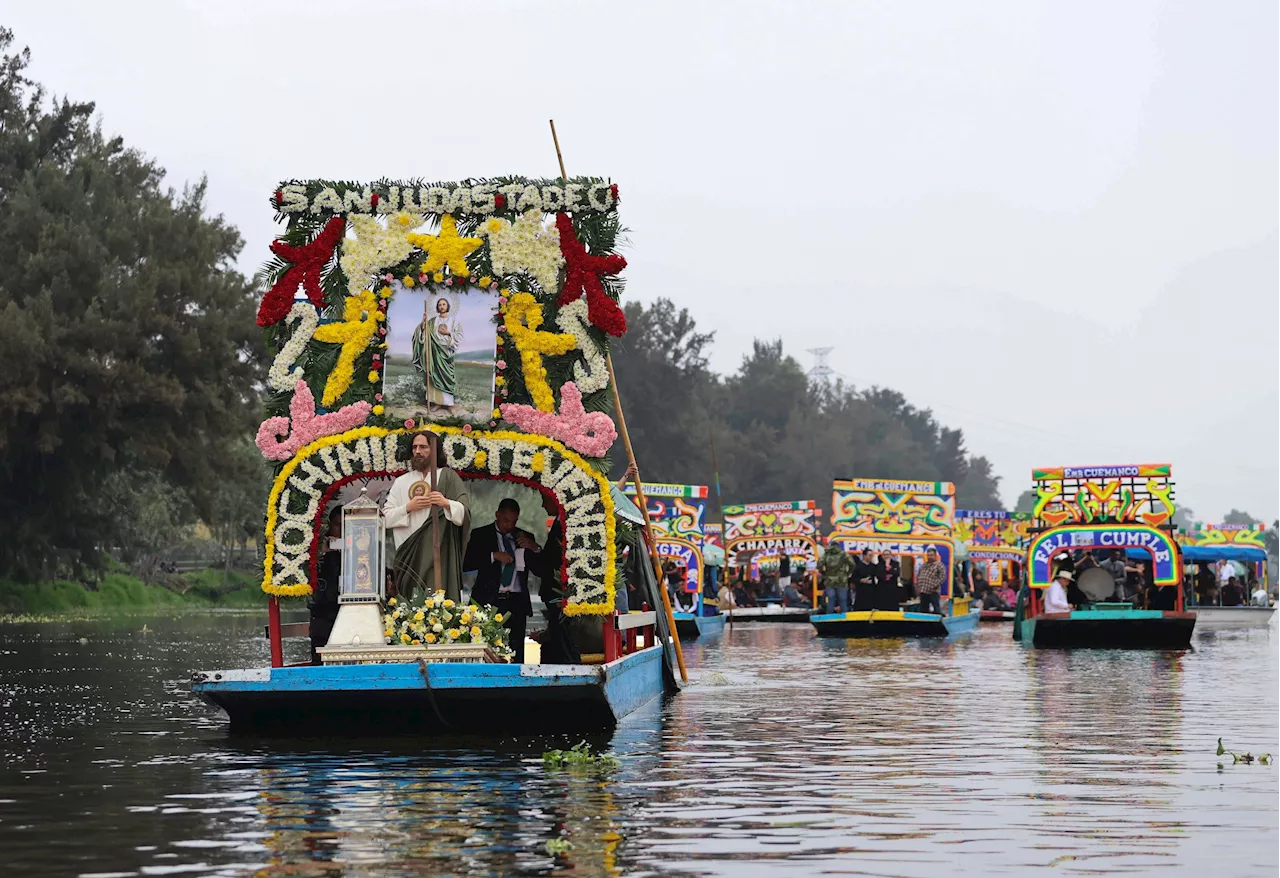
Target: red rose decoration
{"points": [[499, 201], [374, 199], [613, 190], [582, 276], [308, 261]]}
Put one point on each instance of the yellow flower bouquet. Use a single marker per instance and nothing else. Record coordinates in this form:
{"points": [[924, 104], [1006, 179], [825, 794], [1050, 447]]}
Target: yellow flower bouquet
{"points": [[438, 621]]}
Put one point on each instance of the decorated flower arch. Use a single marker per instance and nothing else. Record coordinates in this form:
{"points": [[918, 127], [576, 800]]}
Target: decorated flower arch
{"points": [[482, 310]]}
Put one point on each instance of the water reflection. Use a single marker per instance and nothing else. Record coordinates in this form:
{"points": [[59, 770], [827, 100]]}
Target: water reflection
{"points": [[789, 755]]}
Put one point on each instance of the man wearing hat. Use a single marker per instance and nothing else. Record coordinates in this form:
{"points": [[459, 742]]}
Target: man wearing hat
{"points": [[1055, 597]]}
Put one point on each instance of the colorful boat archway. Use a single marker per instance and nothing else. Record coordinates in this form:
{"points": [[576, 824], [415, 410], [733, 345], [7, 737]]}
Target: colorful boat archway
{"points": [[995, 541], [901, 517], [756, 532], [1158, 544], [678, 514]]}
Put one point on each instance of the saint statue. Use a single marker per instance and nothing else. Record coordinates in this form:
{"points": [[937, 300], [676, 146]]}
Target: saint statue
{"points": [[435, 347], [430, 525]]}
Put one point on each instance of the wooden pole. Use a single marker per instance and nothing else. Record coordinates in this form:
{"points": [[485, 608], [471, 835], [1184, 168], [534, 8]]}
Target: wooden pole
{"points": [[715, 471], [431, 510], [631, 458], [436, 523]]}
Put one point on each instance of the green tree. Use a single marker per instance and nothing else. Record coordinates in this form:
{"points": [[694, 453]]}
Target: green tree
{"points": [[1026, 501], [663, 381], [1271, 537], [777, 436], [1235, 516], [1184, 518], [128, 346]]}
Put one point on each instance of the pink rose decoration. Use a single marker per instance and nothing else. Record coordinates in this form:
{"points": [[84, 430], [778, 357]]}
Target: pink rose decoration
{"points": [[466, 428], [279, 438], [408, 423], [502, 364], [588, 432]]}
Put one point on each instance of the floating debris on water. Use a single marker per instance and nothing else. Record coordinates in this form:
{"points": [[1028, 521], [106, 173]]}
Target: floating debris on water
{"points": [[1246, 758], [580, 756], [558, 847]]}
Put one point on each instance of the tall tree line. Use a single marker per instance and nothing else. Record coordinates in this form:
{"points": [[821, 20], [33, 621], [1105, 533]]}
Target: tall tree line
{"points": [[128, 349], [778, 436]]}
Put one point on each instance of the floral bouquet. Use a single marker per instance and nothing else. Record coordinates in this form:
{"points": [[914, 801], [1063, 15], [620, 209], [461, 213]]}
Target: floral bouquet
{"points": [[439, 620]]}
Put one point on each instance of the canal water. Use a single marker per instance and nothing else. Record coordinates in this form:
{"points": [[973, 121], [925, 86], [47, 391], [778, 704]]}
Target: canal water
{"points": [[787, 756]]}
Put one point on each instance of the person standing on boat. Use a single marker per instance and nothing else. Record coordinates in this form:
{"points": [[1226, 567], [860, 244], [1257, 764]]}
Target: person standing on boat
{"points": [[1119, 572], [887, 571], [929, 579], [1055, 597], [864, 581], [324, 602], [837, 570], [502, 556], [413, 513]]}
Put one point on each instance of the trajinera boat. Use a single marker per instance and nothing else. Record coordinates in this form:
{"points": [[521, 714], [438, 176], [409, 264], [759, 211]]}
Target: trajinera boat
{"points": [[756, 538], [677, 516], [903, 521], [1123, 511], [1208, 547], [480, 312], [993, 547]]}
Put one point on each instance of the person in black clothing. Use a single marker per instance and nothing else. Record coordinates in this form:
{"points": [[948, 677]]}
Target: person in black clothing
{"points": [[864, 581], [503, 554], [557, 644], [324, 601], [1232, 593], [784, 571], [887, 573]]}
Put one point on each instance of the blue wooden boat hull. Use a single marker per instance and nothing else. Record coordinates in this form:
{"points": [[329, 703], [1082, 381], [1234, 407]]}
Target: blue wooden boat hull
{"points": [[438, 698], [1112, 629], [691, 627], [892, 623]]}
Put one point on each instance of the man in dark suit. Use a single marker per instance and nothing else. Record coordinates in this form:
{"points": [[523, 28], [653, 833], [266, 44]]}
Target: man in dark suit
{"points": [[502, 555]]}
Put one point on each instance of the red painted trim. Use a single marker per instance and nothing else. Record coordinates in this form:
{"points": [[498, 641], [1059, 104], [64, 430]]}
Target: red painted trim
{"points": [[273, 631]]}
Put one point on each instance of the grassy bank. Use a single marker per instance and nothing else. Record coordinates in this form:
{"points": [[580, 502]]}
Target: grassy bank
{"points": [[120, 591]]}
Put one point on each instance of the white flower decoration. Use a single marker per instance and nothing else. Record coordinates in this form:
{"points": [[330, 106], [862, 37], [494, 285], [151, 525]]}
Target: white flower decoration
{"points": [[526, 245]]}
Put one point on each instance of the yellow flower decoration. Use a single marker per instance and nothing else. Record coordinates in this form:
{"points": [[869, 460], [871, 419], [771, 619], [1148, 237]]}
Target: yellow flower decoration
{"points": [[522, 319], [377, 409], [499, 380], [373, 377], [404, 638], [497, 413], [537, 462], [407, 281], [485, 281], [448, 603], [466, 618], [482, 458], [354, 333], [453, 633], [475, 630], [430, 638], [438, 277], [446, 249]]}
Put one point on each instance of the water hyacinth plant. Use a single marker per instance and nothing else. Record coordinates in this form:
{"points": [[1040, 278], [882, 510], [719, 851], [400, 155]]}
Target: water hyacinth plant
{"points": [[440, 621]]}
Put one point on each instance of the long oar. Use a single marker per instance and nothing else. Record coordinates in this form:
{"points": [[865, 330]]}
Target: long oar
{"points": [[631, 458]]}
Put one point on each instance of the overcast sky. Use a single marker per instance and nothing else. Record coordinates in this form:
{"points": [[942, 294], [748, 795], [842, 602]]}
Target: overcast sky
{"points": [[1053, 223]]}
